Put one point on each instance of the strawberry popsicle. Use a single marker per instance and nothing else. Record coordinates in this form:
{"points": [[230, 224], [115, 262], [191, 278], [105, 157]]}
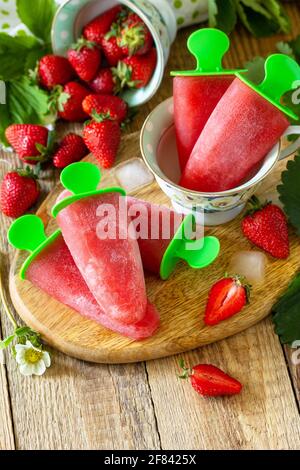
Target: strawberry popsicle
{"points": [[245, 125], [53, 270], [165, 237], [194, 100], [197, 92], [101, 243]]}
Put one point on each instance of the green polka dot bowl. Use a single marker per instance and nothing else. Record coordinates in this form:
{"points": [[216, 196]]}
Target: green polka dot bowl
{"points": [[158, 15]]}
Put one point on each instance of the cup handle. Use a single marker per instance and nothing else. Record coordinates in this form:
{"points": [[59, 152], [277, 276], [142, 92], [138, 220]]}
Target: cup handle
{"points": [[294, 146]]}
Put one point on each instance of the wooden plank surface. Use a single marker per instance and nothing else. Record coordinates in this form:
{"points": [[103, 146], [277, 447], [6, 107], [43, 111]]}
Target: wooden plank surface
{"points": [[185, 291], [79, 405]]}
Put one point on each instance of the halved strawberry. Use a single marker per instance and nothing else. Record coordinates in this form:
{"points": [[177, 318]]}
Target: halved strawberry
{"points": [[226, 298], [210, 381]]}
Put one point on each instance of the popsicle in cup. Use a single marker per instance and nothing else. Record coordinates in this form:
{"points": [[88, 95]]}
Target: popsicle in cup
{"points": [[197, 92], [244, 126]]}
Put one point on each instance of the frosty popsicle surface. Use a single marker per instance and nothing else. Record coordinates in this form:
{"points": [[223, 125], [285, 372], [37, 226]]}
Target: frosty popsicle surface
{"points": [[246, 123], [197, 92], [51, 268], [104, 250]]}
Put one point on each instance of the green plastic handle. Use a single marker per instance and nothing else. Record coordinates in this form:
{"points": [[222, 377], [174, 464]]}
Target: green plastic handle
{"points": [[281, 73], [208, 46], [197, 253], [28, 233], [81, 177], [82, 180]]}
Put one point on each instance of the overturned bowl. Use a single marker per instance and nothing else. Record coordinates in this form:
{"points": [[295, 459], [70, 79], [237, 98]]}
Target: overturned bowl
{"points": [[159, 17], [158, 148]]}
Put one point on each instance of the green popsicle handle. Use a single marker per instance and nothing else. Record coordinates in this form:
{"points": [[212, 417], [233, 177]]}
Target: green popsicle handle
{"points": [[281, 74], [81, 177], [28, 233], [82, 180], [281, 71], [208, 46], [197, 253]]}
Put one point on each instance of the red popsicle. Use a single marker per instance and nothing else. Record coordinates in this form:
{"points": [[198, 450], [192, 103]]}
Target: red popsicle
{"points": [[245, 125]]}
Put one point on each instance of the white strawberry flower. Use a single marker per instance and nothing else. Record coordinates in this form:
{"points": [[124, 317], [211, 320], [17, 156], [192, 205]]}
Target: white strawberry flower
{"points": [[31, 360]]}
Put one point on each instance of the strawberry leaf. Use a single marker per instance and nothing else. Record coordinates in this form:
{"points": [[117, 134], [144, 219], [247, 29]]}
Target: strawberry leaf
{"points": [[286, 314], [289, 192], [25, 104], [14, 48], [37, 15]]}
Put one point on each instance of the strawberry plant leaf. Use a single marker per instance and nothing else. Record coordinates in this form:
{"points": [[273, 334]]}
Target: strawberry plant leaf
{"points": [[222, 15], [26, 103], [255, 69], [14, 48], [289, 192], [6, 342], [286, 314], [37, 15]]}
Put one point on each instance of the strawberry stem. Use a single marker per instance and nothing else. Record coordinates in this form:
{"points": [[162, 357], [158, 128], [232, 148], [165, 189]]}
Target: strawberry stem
{"points": [[186, 372]]}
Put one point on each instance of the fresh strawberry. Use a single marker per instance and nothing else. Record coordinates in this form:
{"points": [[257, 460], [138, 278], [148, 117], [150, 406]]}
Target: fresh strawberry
{"points": [[136, 71], [71, 149], [54, 70], [102, 136], [266, 226], [98, 27], [85, 58], [226, 298], [32, 143], [134, 37], [19, 191], [113, 53], [70, 102], [105, 83], [210, 381], [106, 104]]}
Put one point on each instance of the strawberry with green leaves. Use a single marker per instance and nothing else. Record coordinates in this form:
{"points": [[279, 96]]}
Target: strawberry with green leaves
{"points": [[227, 297], [70, 150], [134, 37], [19, 191], [68, 101], [102, 137], [32, 143], [112, 51], [210, 381], [137, 70], [106, 104], [266, 227], [96, 29], [54, 70], [105, 82], [85, 58]]}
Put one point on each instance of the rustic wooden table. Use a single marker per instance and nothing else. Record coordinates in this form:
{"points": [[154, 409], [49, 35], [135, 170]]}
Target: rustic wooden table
{"points": [[77, 405]]}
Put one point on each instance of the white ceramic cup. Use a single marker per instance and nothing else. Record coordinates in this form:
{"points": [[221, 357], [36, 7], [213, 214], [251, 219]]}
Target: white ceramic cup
{"points": [[209, 208]]}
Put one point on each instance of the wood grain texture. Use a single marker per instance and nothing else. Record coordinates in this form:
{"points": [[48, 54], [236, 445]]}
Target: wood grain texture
{"points": [[45, 410], [180, 300], [263, 416]]}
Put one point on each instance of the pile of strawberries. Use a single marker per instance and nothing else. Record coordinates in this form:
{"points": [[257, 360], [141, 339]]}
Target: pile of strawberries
{"points": [[115, 52]]}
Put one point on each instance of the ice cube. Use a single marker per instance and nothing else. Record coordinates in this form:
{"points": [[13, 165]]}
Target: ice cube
{"points": [[251, 264], [133, 174]]}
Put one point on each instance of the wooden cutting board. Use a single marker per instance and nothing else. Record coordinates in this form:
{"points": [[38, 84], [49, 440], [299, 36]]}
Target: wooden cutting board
{"points": [[180, 300]]}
